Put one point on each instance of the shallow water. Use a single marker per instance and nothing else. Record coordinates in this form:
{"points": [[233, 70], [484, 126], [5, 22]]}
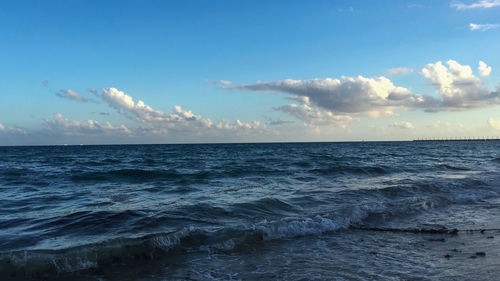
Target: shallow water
{"points": [[250, 211]]}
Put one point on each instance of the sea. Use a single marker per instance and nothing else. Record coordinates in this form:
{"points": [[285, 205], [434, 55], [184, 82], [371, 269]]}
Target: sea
{"points": [[426, 210]]}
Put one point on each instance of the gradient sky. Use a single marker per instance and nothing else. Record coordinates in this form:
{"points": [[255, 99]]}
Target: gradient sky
{"points": [[95, 72]]}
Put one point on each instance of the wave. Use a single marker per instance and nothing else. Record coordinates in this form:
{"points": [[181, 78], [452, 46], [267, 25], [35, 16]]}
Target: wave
{"points": [[130, 174], [265, 206], [170, 246], [348, 169], [475, 188], [135, 251], [30, 264], [453, 167], [147, 175], [136, 175], [16, 176], [26, 264], [16, 172]]}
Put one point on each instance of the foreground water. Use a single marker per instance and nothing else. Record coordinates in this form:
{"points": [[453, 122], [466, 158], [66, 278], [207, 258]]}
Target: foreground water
{"points": [[251, 211]]}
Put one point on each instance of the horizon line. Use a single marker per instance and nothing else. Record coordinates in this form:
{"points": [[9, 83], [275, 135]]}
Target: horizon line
{"points": [[263, 142]]}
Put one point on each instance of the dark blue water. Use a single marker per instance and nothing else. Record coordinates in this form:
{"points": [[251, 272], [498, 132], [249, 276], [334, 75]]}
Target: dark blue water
{"points": [[300, 211]]}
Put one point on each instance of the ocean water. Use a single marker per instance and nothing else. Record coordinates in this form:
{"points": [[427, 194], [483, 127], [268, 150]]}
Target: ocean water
{"points": [[282, 211]]}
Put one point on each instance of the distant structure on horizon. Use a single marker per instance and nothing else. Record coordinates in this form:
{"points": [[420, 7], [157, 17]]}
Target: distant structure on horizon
{"points": [[458, 139]]}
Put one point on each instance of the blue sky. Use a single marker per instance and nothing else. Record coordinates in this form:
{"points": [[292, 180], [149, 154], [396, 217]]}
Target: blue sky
{"points": [[68, 68]]}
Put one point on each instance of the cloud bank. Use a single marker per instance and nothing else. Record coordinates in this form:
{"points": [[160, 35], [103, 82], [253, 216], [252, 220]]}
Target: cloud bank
{"points": [[151, 125], [178, 120], [373, 96], [325, 102], [332, 101]]}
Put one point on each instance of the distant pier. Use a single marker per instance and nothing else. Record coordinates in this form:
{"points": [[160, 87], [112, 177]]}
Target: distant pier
{"points": [[457, 139]]}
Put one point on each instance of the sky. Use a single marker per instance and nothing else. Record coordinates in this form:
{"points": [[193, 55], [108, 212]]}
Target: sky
{"points": [[119, 72]]}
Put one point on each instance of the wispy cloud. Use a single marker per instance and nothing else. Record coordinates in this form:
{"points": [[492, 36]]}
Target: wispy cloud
{"points": [[276, 122], [399, 71], [69, 94], [65, 126], [414, 5], [72, 95], [220, 83], [12, 130], [495, 124], [348, 9], [482, 4], [483, 27], [402, 125], [95, 92], [225, 82]]}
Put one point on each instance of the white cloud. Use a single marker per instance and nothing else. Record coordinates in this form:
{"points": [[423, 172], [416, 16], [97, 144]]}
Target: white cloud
{"points": [[160, 122], [459, 88], [402, 125], [399, 71], [445, 129], [351, 95], [225, 82], [481, 4], [64, 126], [337, 102], [483, 27], [13, 130], [495, 124], [72, 95], [332, 101], [118, 99], [147, 115], [312, 115], [220, 83], [484, 69], [154, 126]]}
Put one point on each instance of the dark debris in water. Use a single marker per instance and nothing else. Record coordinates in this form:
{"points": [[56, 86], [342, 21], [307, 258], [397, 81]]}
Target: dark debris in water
{"points": [[436, 239], [410, 230]]}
